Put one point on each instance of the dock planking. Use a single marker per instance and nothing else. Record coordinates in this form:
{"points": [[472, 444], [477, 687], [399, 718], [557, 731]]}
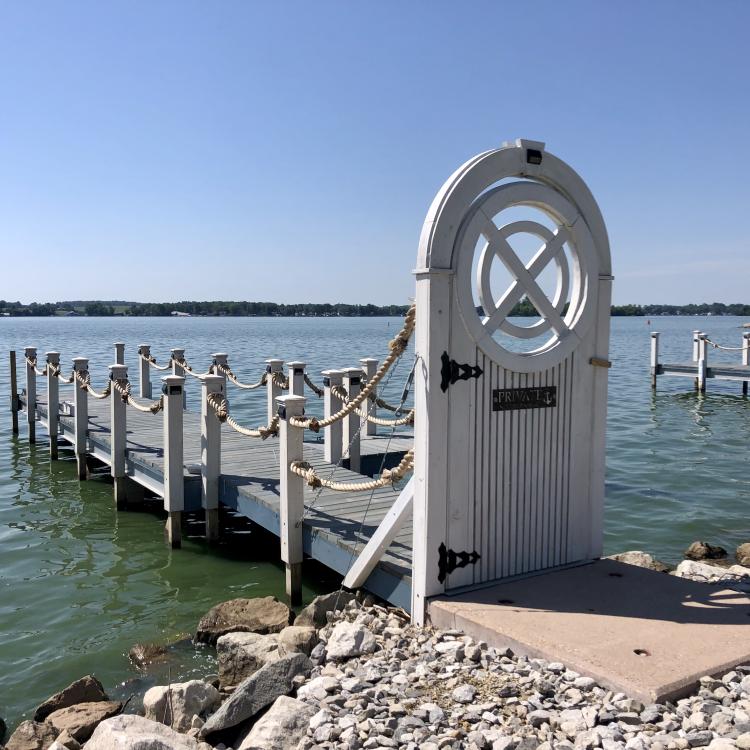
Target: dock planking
{"points": [[336, 525]]}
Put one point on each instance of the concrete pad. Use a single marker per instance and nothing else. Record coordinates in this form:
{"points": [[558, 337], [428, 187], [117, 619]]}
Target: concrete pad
{"points": [[649, 635]]}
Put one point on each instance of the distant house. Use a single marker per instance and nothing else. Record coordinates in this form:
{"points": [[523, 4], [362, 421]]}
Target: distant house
{"points": [[178, 314]]}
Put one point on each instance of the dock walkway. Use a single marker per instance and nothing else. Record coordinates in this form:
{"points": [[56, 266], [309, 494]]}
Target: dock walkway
{"points": [[336, 525]]}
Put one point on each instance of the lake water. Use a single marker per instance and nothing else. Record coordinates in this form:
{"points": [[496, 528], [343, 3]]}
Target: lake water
{"points": [[80, 583]]}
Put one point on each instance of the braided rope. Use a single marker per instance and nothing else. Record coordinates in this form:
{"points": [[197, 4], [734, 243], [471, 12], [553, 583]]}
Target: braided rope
{"points": [[32, 363], [388, 478], [397, 347], [280, 380], [742, 348], [123, 388], [385, 405], [65, 381], [221, 408], [245, 386], [317, 390], [340, 393], [190, 371], [152, 361], [84, 380]]}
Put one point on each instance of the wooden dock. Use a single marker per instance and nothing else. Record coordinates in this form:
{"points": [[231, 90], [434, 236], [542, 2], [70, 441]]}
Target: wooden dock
{"points": [[335, 526], [699, 368]]}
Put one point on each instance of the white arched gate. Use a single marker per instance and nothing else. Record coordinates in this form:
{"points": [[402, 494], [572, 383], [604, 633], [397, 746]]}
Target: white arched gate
{"points": [[510, 419]]}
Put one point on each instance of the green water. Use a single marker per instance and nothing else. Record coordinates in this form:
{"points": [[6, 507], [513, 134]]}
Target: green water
{"points": [[81, 583]]}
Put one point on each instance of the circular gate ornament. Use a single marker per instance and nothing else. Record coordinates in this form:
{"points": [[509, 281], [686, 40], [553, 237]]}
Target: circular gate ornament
{"points": [[567, 315]]}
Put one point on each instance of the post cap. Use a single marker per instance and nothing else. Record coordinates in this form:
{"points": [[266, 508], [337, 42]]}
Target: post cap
{"points": [[220, 355], [367, 360], [290, 406], [118, 343], [295, 363], [275, 364], [213, 383], [173, 379], [53, 357], [118, 371], [333, 375], [29, 349], [80, 363], [353, 372]]}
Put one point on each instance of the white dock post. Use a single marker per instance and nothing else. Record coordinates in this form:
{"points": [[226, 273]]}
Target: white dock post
{"points": [[272, 388], [178, 355], [144, 352], [81, 406], [53, 402], [702, 362], [296, 374], [352, 424], [220, 358], [13, 392], [654, 358], [696, 334], [745, 357], [118, 436], [119, 352], [369, 367], [292, 504], [30, 352], [174, 477], [332, 404], [210, 455]]}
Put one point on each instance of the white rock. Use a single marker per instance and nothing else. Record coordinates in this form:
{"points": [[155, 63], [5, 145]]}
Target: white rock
{"points": [[280, 728], [131, 732], [348, 640], [464, 694], [176, 704]]}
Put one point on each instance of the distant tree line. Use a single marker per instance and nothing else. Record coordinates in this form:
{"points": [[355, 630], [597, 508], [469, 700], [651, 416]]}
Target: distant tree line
{"points": [[715, 308]]}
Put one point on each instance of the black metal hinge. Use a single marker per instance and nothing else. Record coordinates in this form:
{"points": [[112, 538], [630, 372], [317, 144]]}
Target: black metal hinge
{"points": [[450, 560], [452, 372]]}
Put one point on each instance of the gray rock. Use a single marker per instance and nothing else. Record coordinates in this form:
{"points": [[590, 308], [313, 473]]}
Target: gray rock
{"points": [[241, 654], [705, 551], [32, 735], [348, 640], [464, 694], [539, 717], [262, 615], [280, 728], [131, 732], [742, 554], [177, 704], [298, 638], [642, 560], [65, 742], [699, 739], [86, 690], [315, 614], [257, 691], [79, 721]]}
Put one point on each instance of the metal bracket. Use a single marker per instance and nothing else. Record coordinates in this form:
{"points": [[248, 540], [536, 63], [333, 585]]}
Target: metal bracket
{"points": [[450, 560], [452, 372]]}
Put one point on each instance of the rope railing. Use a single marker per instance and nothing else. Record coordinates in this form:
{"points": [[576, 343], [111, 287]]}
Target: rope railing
{"points": [[32, 363], [397, 347], [742, 348], [388, 478], [190, 371], [57, 372], [83, 377], [122, 386], [220, 406], [317, 390], [280, 380], [152, 361], [340, 392], [226, 370]]}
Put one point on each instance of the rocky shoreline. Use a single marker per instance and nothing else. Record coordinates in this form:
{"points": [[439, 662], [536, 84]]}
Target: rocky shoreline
{"points": [[350, 673]]}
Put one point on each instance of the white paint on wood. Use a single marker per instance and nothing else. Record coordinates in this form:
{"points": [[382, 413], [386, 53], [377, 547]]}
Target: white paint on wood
{"points": [[273, 390], [178, 355], [296, 375], [381, 539], [174, 479], [333, 434], [507, 492], [118, 434], [144, 385], [81, 407], [210, 453], [696, 334], [13, 392], [119, 352], [53, 402], [654, 357], [351, 424], [30, 352], [369, 368], [702, 362]]}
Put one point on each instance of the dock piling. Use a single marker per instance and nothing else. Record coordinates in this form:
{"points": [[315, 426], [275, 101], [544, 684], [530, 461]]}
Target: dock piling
{"points": [[273, 388], [144, 352], [178, 355], [53, 402], [13, 392], [30, 352], [331, 404], [219, 362], [210, 455], [702, 362], [654, 358], [81, 406], [296, 376], [174, 479], [745, 357], [119, 352], [291, 495], [118, 438], [352, 424], [369, 368]]}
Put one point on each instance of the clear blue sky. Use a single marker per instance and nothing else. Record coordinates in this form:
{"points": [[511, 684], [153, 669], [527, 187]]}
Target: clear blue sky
{"points": [[289, 151]]}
